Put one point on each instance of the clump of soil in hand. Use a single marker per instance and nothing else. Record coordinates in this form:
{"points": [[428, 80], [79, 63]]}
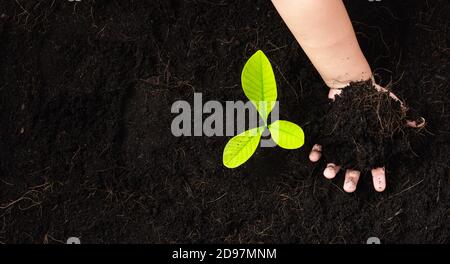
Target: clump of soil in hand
{"points": [[363, 128]]}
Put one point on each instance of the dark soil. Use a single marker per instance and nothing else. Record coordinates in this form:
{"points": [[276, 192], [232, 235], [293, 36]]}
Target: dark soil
{"points": [[86, 148], [364, 128]]}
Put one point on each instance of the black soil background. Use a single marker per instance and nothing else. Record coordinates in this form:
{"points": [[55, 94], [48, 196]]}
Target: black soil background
{"points": [[86, 148]]}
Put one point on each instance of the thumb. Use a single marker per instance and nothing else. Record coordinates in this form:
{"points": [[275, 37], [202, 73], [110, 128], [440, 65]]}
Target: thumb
{"points": [[333, 93]]}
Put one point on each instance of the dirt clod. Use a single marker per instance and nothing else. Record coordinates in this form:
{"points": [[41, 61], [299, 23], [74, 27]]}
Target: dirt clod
{"points": [[363, 128]]}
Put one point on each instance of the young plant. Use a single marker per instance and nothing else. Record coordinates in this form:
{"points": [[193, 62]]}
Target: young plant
{"points": [[259, 85]]}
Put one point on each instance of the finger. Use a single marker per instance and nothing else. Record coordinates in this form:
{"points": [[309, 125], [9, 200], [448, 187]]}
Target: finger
{"points": [[391, 94], [416, 123], [331, 170], [351, 180], [316, 153], [379, 179], [413, 119], [384, 90], [333, 93]]}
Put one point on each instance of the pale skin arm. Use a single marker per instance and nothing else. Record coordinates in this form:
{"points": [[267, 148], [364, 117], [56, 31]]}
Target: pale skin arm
{"points": [[324, 31]]}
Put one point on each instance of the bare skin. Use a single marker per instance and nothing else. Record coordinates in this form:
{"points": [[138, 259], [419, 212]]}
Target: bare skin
{"points": [[324, 31]]}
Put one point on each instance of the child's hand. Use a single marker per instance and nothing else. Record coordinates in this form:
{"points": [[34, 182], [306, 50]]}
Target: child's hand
{"points": [[352, 175]]}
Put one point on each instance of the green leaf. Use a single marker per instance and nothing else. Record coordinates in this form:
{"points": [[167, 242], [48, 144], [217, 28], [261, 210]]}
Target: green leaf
{"points": [[258, 82], [241, 147], [287, 134]]}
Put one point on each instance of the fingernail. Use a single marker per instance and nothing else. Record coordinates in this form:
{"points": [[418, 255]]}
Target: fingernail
{"points": [[353, 173], [317, 147], [421, 122]]}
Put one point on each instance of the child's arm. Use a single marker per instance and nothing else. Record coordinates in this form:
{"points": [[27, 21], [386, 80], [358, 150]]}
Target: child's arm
{"points": [[325, 33]]}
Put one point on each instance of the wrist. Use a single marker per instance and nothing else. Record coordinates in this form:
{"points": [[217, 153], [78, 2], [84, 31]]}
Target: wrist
{"points": [[342, 82]]}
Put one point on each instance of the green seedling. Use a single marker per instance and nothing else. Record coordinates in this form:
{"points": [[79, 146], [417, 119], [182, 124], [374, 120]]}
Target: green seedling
{"points": [[259, 85]]}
